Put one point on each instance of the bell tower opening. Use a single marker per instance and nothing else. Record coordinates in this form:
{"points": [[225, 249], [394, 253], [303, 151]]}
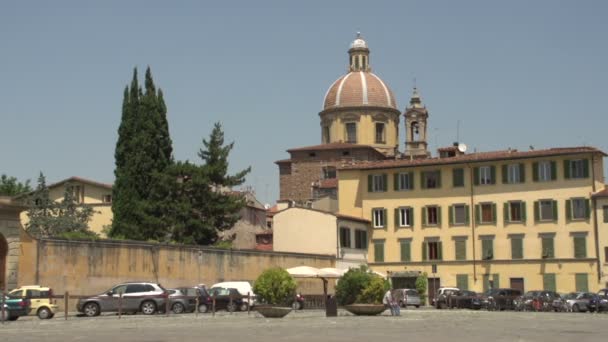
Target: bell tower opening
{"points": [[3, 255]]}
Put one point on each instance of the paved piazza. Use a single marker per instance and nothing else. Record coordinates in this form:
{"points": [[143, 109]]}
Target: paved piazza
{"points": [[311, 325]]}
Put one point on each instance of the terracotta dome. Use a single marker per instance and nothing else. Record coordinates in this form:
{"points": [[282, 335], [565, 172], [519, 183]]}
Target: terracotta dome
{"points": [[359, 89]]}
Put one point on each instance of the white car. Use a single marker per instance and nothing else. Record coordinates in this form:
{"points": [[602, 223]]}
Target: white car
{"points": [[244, 288]]}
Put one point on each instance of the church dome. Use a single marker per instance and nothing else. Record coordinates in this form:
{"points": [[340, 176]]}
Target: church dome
{"points": [[359, 89]]}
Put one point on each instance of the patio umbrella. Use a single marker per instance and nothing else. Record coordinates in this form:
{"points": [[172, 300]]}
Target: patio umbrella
{"points": [[304, 272]]}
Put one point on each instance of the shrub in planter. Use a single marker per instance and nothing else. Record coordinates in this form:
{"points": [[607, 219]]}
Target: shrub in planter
{"points": [[360, 286], [374, 291], [275, 287]]}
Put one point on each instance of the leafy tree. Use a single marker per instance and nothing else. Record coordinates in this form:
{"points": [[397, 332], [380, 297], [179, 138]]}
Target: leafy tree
{"points": [[352, 284], [10, 186], [421, 285], [215, 158], [275, 286], [374, 291]]}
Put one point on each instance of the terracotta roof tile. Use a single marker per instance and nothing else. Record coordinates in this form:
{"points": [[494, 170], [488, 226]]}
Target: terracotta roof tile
{"points": [[601, 193], [467, 158], [327, 183], [330, 146]]}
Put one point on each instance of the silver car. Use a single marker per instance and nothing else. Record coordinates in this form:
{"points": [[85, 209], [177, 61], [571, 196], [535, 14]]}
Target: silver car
{"points": [[406, 297], [144, 297], [578, 302]]}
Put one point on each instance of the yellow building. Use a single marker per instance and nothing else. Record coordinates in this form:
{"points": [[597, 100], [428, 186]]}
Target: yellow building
{"points": [[600, 200], [95, 194], [501, 219]]}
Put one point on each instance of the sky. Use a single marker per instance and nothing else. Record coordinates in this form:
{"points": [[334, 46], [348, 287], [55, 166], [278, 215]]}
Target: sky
{"points": [[508, 73]]}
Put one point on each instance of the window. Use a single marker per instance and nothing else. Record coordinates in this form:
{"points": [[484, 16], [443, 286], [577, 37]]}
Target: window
{"points": [[431, 250], [545, 210], [77, 193], [517, 248], [547, 247], [377, 183], [379, 251], [513, 173], [491, 284], [431, 179], [326, 136], [106, 199], [576, 168], [485, 213], [460, 248], [605, 209], [404, 181], [487, 249], [431, 215], [351, 132], [459, 215], [404, 217], [485, 175], [462, 282], [345, 237], [406, 250], [33, 294], [577, 209], [515, 211], [457, 177], [544, 171], [581, 282], [549, 283], [605, 254], [360, 239], [329, 172], [580, 246], [119, 289], [380, 139], [379, 217]]}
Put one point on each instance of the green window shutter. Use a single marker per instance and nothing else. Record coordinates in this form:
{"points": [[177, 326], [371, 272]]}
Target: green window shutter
{"points": [[536, 211], [379, 251], [396, 181], [385, 221], [494, 213], [517, 248], [568, 210], [486, 282], [555, 216], [438, 179], [438, 216], [580, 247], [424, 251], [567, 169], [476, 175], [405, 251], [477, 213], [422, 180], [535, 172], [505, 176], [411, 177], [553, 170], [457, 177], [522, 173], [373, 223], [587, 209], [547, 246], [424, 217], [451, 215], [582, 282], [397, 218], [384, 182], [586, 168], [496, 278], [549, 282], [461, 251], [523, 211], [484, 249], [411, 210], [462, 281], [493, 174], [439, 250], [466, 215], [505, 212], [370, 179]]}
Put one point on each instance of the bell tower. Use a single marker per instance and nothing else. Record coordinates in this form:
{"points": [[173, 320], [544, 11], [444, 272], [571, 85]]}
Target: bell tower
{"points": [[416, 116]]}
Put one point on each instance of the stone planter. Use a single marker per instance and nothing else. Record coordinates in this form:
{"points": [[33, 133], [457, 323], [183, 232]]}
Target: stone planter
{"points": [[365, 309], [272, 311]]}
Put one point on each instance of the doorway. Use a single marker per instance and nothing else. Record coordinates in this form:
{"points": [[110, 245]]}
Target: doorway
{"points": [[433, 285], [518, 284], [3, 254]]}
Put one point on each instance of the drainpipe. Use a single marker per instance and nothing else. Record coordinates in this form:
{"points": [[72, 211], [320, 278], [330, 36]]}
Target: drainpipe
{"points": [[595, 225], [338, 240], [472, 217]]}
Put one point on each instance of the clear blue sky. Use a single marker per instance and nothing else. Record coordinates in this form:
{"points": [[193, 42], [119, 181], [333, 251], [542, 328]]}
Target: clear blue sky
{"points": [[515, 73]]}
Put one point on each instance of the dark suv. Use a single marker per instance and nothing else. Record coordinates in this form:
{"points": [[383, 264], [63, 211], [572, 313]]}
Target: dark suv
{"points": [[143, 297], [500, 299]]}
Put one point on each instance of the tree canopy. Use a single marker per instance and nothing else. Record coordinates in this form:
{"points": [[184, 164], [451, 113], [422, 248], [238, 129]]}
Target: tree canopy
{"points": [[10, 186]]}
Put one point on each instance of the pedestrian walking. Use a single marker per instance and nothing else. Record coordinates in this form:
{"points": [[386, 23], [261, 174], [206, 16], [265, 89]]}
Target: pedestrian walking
{"points": [[390, 302]]}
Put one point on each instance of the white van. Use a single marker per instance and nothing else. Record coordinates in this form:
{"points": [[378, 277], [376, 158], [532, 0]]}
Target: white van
{"points": [[244, 288]]}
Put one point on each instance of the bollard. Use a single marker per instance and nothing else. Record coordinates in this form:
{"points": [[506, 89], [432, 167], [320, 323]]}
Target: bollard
{"points": [[167, 303], [230, 302], [248, 303], [2, 306], [65, 304], [213, 306], [196, 307], [119, 305]]}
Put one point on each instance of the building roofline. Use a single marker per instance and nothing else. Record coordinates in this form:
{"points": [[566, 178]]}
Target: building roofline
{"points": [[336, 215]]}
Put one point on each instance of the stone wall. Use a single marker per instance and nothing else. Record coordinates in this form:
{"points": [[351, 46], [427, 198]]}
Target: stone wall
{"points": [[10, 228]]}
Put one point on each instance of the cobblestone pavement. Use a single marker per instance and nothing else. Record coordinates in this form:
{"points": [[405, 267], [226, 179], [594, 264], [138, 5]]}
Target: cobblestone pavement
{"points": [[312, 325]]}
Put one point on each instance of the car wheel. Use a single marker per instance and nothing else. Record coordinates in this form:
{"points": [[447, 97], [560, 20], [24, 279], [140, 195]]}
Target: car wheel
{"points": [[231, 307], [13, 318], [417, 306], [148, 307], [44, 313], [203, 308], [244, 307], [91, 309], [178, 308], [575, 308]]}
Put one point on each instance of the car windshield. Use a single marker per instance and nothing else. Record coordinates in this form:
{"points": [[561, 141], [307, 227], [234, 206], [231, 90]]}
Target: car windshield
{"points": [[14, 294], [412, 292], [531, 294]]}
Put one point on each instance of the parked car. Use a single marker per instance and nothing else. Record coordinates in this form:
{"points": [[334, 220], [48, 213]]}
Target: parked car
{"points": [[538, 300], [205, 301], [227, 299], [244, 288], [464, 299], [143, 297], [500, 299], [182, 300], [407, 297], [15, 307], [441, 297], [579, 302], [40, 297]]}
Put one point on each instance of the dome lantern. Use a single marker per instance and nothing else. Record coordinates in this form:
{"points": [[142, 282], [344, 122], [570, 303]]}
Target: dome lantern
{"points": [[359, 55]]}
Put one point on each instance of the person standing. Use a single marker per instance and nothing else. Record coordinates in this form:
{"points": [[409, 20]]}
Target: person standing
{"points": [[390, 302]]}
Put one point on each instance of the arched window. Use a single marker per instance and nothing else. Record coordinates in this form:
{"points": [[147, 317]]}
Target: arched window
{"points": [[351, 132], [380, 133]]}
